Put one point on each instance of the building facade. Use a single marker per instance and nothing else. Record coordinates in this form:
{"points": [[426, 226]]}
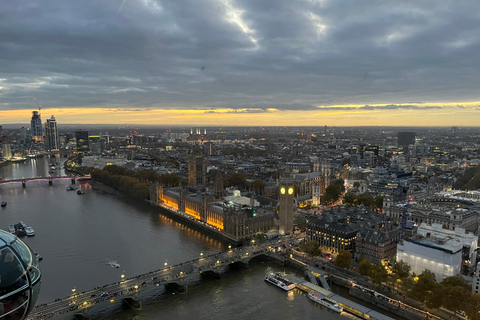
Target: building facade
{"points": [[52, 140], [36, 127], [81, 137], [196, 170], [235, 221], [286, 206]]}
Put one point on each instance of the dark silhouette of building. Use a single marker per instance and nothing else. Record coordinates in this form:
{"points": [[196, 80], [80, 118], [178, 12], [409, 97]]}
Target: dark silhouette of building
{"points": [[82, 140], [406, 138], [196, 170]]}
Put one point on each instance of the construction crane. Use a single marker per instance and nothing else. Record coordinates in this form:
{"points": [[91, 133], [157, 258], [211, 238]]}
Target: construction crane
{"points": [[39, 107]]}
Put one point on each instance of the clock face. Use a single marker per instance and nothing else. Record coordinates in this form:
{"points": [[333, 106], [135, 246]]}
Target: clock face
{"points": [[282, 190], [290, 190]]}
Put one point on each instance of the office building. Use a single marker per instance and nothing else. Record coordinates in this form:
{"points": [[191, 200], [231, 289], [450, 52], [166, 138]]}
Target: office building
{"points": [[82, 140], [406, 138]]}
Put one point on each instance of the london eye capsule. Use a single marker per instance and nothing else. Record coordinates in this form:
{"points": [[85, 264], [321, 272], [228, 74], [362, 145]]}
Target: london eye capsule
{"points": [[20, 278]]}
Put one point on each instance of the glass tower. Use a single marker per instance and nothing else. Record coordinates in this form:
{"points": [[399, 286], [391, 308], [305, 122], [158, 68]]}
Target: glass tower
{"points": [[36, 126], [52, 140]]}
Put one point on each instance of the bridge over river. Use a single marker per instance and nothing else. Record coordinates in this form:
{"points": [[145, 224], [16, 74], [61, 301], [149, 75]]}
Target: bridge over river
{"points": [[50, 180], [175, 277]]}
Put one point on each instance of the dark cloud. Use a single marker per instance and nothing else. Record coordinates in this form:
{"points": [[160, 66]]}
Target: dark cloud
{"points": [[231, 54]]}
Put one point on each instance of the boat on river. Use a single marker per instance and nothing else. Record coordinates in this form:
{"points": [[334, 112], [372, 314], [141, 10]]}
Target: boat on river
{"points": [[278, 280], [3, 204], [11, 229], [113, 264], [325, 301]]}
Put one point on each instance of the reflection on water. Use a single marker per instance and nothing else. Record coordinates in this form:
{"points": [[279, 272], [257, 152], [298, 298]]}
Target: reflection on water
{"points": [[77, 234]]}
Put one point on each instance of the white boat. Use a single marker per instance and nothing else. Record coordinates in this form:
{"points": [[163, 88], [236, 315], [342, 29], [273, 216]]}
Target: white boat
{"points": [[113, 264], [279, 281], [23, 224], [325, 301], [11, 228], [30, 232]]}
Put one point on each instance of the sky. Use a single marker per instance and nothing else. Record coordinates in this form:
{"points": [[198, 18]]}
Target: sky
{"points": [[241, 62]]}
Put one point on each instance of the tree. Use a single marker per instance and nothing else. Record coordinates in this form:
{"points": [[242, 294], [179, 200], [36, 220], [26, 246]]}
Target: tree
{"points": [[434, 296], [236, 179], [472, 306], [378, 274], [331, 193], [356, 184], [311, 248], [350, 198], [379, 202], [456, 280], [344, 259], [364, 266], [401, 269], [260, 237], [454, 298], [366, 199], [426, 281]]}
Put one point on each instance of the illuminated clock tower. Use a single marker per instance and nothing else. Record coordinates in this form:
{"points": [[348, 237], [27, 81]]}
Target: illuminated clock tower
{"points": [[286, 206]]}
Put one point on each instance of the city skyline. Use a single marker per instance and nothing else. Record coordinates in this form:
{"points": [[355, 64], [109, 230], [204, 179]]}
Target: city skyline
{"points": [[237, 63]]}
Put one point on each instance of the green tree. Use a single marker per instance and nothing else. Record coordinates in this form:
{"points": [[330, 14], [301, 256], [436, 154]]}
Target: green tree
{"points": [[260, 237], [311, 248], [378, 274], [356, 184], [401, 269], [454, 298], [365, 199], [344, 259], [426, 281], [472, 306], [350, 198], [434, 296], [456, 280], [364, 266], [379, 202]]}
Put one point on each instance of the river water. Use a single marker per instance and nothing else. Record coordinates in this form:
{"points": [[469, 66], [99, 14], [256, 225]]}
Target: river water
{"points": [[78, 234]]}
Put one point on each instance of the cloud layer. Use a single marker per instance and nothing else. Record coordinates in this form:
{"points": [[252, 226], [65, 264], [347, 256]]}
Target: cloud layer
{"points": [[238, 56]]}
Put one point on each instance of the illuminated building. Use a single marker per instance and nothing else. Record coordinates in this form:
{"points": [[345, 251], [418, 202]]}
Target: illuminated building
{"points": [[286, 206], [337, 229], [36, 127], [234, 220], [442, 256], [20, 277], [52, 140]]}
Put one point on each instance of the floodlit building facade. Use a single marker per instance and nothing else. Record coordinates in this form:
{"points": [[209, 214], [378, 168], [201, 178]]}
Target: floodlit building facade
{"points": [[441, 256]]}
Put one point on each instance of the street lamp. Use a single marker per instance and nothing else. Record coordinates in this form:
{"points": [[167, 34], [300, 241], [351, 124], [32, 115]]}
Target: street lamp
{"points": [[123, 276], [201, 254], [165, 264], [229, 247]]}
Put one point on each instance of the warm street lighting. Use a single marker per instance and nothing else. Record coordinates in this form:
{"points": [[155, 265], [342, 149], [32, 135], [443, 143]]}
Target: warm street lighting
{"points": [[201, 254], [123, 276], [165, 264]]}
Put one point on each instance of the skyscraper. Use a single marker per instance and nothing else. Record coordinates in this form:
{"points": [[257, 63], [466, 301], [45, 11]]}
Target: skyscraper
{"points": [[52, 140], [36, 127]]}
